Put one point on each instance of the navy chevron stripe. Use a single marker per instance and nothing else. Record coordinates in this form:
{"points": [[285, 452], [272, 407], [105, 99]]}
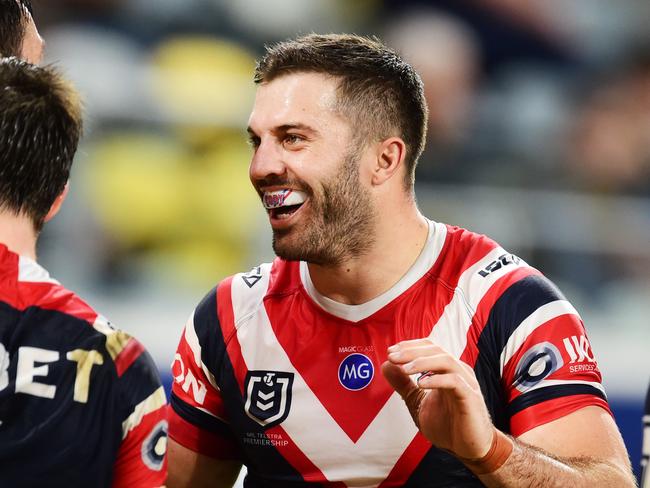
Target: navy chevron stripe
{"points": [[515, 304], [540, 395], [216, 358], [209, 333], [197, 417]]}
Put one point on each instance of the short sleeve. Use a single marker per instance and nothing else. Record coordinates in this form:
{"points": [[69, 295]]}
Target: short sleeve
{"points": [[198, 417], [548, 367], [141, 458]]}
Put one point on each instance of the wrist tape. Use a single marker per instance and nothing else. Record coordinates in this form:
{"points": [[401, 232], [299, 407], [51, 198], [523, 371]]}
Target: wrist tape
{"points": [[500, 450]]}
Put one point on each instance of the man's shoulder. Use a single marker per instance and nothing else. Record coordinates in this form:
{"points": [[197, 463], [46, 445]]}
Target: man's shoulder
{"points": [[252, 286], [61, 312], [482, 271], [468, 256]]}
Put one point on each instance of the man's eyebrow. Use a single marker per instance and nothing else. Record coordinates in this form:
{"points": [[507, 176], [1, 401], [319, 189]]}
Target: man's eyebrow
{"points": [[297, 125], [281, 129]]}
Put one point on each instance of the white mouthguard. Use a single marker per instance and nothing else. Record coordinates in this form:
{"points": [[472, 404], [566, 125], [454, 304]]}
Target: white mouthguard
{"points": [[283, 198]]}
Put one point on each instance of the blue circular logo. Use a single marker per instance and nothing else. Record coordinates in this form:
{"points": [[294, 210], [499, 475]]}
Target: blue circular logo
{"points": [[538, 363], [356, 372]]}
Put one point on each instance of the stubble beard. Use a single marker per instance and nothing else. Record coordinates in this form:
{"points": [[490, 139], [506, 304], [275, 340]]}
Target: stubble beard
{"points": [[341, 226]]}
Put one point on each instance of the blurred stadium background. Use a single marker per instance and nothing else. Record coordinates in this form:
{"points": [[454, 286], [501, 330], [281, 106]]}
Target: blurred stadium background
{"points": [[539, 137]]}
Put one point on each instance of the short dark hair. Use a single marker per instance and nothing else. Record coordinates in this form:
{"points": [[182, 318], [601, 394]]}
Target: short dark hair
{"points": [[380, 93], [40, 127], [13, 22]]}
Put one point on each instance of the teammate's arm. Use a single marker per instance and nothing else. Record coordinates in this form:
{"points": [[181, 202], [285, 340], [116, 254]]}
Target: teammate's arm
{"points": [[141, 458], [191, 469], [582, 449]]}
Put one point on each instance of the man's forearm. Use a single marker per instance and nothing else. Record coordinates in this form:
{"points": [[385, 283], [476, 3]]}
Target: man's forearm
{"points": [[530, 467]]}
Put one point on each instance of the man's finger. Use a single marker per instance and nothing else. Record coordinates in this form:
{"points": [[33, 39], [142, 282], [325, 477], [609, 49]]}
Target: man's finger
{"points": [[407, 389], [400, 381]]}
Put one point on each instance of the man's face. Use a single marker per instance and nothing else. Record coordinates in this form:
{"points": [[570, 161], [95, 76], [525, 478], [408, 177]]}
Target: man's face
{"points": [[32, 49], [305, 167]]}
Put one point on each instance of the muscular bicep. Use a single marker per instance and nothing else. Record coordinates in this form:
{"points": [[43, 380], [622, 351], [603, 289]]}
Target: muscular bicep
{"points": [[586, 433], [191, 469]]}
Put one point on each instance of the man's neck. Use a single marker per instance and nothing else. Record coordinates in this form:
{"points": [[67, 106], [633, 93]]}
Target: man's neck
{"points": [[398, 243], [18, 234]]}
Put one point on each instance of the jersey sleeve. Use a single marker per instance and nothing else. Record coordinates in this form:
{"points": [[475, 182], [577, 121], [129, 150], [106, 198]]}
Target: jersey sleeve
{"points": [[547, 366], [198, 417], [141, 458]]}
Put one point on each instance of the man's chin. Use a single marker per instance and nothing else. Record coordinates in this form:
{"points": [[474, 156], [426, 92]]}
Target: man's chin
{"points": [[287, 251]]}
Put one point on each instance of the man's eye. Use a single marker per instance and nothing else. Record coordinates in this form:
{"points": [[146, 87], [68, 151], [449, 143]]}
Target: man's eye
{"points": [[254, 142], [292, 138]]}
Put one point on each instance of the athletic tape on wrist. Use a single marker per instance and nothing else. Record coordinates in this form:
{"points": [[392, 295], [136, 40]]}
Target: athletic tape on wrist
{"points": [[500, 450]]}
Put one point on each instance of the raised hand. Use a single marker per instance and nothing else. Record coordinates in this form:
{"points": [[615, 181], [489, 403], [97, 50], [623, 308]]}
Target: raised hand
{"points": [[446, 401]]}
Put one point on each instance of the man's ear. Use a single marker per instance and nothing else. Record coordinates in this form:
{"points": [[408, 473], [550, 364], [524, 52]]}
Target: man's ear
{"points": [[56, 206], [390, 158]]}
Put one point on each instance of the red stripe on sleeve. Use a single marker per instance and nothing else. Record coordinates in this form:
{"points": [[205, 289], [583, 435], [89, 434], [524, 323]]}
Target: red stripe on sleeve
{"points": [[202, 441], [128, 355], [141, 459], [551, 410]]}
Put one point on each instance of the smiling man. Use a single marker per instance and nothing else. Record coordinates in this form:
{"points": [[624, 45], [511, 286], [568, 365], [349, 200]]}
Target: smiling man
{"points": [[381, 348]]}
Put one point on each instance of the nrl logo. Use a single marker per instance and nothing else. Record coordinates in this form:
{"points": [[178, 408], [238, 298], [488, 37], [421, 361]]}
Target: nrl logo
{"points": [[252, 277], [268, 396]]}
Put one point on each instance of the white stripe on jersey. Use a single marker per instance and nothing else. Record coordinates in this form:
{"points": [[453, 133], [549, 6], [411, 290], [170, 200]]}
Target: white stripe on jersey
{"points": [[545, 383], [193, 341], [376, 451], [30, 271], [150, 404], [539, 317], [355, 313], [450, 332]]}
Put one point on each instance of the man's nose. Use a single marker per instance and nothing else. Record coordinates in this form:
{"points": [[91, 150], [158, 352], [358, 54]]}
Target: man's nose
{"points": [[267, 161]]}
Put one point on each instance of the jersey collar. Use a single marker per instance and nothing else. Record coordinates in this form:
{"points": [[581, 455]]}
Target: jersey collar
{"points": [[355, 313]]}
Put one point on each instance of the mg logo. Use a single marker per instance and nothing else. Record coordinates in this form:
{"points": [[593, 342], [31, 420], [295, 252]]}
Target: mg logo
{"points": [[356, 372], [268, 396]]}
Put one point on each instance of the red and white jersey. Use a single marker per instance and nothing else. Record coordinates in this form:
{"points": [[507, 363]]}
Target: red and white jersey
{"points": [[81, 402], [272, 373]]}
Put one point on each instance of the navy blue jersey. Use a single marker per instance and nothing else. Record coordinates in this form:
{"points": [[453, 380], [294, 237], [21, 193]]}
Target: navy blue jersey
{"points": [[273, 374], [80, 402], [645, 455]]}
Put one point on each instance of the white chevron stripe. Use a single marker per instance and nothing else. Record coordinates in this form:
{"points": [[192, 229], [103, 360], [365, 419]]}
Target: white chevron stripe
{"points": [[378, 449], [539, 317], [450, 332]]}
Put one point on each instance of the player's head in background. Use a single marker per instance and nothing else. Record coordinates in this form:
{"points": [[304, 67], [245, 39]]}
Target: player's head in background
{"points": [[40, 127], [18, 33], [337, 127]]}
